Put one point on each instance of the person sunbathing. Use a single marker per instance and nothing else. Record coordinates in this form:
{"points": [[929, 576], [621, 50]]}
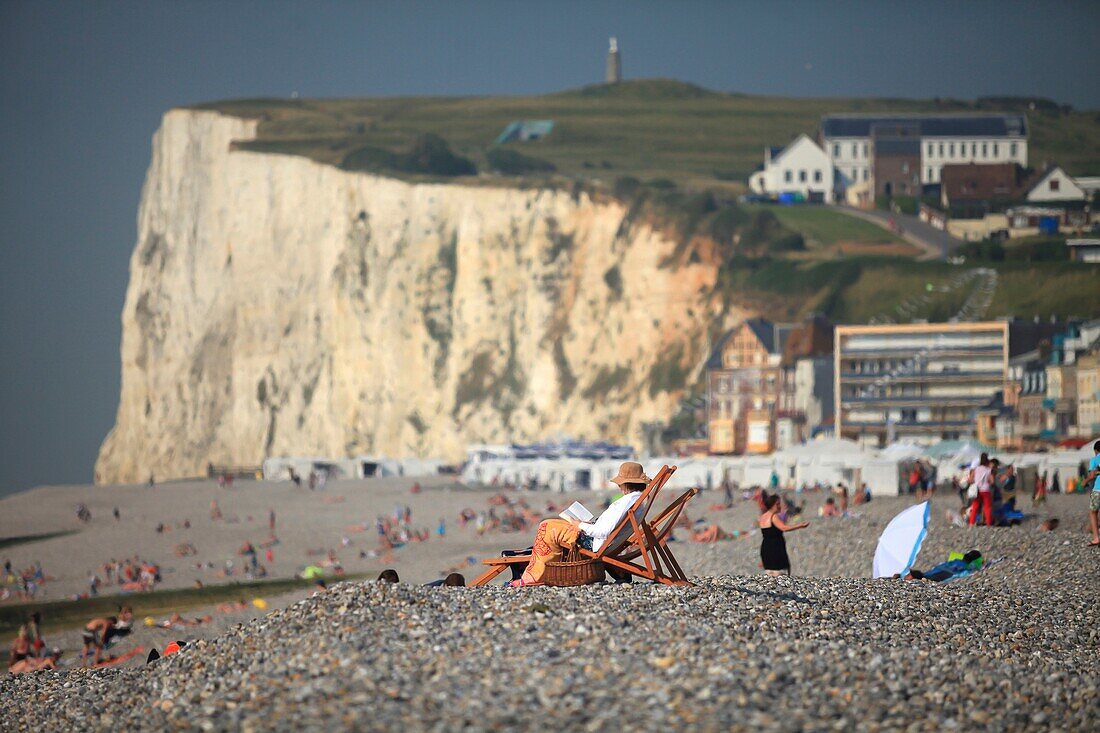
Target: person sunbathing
{"points": [[713, 533], [240, 605], [830, 508], [22, 657], [176, 620], [554, 535]]}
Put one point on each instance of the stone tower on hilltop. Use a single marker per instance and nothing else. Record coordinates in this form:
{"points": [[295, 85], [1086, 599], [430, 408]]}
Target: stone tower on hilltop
{"points": [[614, 63]]}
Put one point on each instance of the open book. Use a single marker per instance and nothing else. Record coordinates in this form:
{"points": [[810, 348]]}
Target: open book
{"points": [[576, 510]]}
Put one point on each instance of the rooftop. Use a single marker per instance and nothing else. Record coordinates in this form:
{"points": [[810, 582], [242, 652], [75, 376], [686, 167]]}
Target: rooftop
{"points": [[982, 125]]}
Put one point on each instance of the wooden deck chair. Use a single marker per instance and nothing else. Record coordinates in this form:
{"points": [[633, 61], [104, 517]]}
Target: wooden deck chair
{"points": [[662, 527], [622, 538]]}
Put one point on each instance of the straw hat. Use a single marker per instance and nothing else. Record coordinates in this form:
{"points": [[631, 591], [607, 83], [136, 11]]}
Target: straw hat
{"points": [[631, 473]]}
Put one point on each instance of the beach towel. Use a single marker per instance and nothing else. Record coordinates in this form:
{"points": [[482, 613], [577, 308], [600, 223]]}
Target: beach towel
{"points": [[551, 539], [112, 661]]}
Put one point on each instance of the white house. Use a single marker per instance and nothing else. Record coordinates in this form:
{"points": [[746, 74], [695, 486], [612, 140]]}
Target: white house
{"points": [[1056, 185], [802, 167]]}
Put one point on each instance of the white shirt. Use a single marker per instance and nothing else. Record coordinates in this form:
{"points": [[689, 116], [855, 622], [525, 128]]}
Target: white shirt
{"points": [[983, 477], [605, 523]]}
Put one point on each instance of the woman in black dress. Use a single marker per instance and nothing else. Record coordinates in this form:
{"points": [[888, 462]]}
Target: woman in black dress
{"points": [[773, 548]]}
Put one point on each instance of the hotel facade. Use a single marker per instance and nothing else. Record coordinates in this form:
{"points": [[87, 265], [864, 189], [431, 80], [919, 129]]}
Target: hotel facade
{"points": [[916, 382]]}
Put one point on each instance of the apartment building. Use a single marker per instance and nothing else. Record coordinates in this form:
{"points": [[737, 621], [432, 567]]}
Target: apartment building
{"points": [[916, 382], [849, 141]]}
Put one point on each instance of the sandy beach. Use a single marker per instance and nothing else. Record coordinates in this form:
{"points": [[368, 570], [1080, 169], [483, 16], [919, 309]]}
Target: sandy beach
{"points": [[309, 524]]}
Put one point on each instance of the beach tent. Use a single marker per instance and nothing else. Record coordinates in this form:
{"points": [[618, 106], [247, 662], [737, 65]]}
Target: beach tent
{"points": [[825, 461], [758, 470], [957, 452], [900, 542], [1086, 452], [883, 476], [903, 451], [278, 468]]}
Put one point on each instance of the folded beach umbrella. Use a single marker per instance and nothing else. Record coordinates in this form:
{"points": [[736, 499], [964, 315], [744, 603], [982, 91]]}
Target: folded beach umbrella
{"points": [[900, 542]]}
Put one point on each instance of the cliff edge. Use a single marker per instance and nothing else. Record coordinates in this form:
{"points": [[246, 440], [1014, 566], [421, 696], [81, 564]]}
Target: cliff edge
{"points": [[280, 306]]}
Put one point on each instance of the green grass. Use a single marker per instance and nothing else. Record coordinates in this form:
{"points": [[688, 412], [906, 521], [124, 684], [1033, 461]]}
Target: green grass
{"points": [[649, 129], [857, 289], [678, 153], [68, 614], [824, 228]]}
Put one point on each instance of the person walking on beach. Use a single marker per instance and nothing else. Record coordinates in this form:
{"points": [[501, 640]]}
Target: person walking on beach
{"points": [[1039, 495], [1094, 496], [773, 547], [983, 479]]}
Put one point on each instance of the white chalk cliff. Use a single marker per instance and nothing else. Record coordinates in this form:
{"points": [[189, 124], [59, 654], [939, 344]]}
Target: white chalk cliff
{"points": [[278, 306]]}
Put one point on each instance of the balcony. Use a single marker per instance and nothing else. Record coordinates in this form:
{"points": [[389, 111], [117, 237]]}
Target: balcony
{"points": [[961, 376], [930, 350], [917, 401], [909, 424]]}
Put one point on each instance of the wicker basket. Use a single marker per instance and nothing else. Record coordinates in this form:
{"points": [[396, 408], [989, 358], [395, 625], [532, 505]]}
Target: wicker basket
{"points": [[574, 569]]}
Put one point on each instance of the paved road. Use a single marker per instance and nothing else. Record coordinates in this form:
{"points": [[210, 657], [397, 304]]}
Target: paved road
{"points": [[937, 245]]}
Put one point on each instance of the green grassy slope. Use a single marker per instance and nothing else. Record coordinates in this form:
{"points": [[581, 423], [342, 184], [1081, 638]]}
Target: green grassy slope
{"points": [[677, 139], [862, 289], [648, 128]]}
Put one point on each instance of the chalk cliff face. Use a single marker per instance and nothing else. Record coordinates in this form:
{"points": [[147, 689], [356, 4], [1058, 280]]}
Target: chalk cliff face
{"points": [[278, 306]]}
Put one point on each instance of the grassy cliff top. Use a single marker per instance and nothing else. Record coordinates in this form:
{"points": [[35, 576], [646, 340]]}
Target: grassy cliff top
{"points": [[648, 129]]}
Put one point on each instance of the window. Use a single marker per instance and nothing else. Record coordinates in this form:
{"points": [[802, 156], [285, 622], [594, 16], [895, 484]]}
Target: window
{"points": [[855, 150], [836, 150], [1055, 184], [802, 176], [787, 177], [817, 176], [855, 174], [985, 150], [865, 173], [973, 150], [996, 150], [1012, 149], [941, 150], [864, 150], [929, 175], [951, 150], [905, 166], [929, 150]]}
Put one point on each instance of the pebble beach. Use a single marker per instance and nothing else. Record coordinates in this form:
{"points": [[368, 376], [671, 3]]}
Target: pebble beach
{"points": [[1013, 647]]}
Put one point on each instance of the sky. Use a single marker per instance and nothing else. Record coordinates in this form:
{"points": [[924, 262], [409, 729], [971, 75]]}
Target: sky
{"points": [[84, 86]]}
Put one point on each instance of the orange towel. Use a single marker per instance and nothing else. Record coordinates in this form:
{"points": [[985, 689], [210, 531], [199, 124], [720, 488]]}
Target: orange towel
{"points": [[551, 539]]}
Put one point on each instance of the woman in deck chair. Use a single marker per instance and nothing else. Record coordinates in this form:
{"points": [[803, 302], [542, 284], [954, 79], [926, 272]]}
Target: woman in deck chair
{"points": [[554, 535]]}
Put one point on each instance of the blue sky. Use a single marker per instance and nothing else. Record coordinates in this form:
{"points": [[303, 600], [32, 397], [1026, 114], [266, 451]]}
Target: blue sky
{"points": [[84, 86]]}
